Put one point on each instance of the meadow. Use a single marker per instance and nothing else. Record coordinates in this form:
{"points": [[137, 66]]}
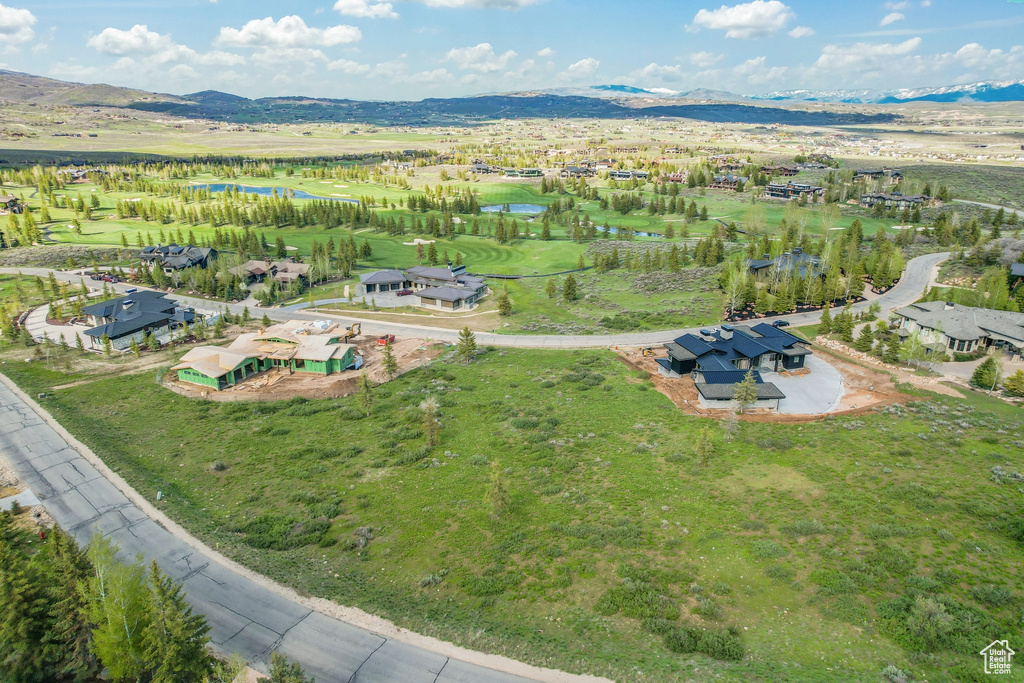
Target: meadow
{"points": [[553, 507]]}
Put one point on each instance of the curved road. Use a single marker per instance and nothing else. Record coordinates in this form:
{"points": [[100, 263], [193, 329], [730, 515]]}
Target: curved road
{"points": [[84, 496], [246, 617], [909, 289]]}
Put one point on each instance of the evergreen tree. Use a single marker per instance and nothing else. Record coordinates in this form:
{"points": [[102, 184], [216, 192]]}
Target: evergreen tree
{"points": [[986, 375], [69, 640], [135, 348], [498, 496], [283, 671], [108, 346], [569, 292], [175, 640], [24, 615], [432, 254], [467, 344], [504, 304], [246, 316], [389, 362], [265, 321], [366, 393], [745, 393], [1014, 384], [865, 340], [431, 424], [551, 289], [703, 448]]}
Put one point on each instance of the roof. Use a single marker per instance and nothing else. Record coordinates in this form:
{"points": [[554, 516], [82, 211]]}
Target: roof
{"points": [[431, 273], [716, 352], [142, 300], [965, 322], [678, 352], [446, 293], [120, 328], [382, 277], [729, 376], [1017, 270], [301, 340], [718, 392]]}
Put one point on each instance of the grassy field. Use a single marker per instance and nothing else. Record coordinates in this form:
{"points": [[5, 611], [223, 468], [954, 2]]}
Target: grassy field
{"points": [[563, 516]]}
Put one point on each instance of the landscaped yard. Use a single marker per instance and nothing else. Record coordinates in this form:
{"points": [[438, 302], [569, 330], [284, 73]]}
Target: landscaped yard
{"points": [[565, 517]]}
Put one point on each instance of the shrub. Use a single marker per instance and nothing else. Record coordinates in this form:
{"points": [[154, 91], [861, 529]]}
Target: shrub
{"points": [[479, 460], [278, 532], [768, 550], [723, 645], [495, 584], [832, 582], [414, 456], [810, 527], [708, 607], [997, 596], [219, 466], [779, 573], [721, 588]]}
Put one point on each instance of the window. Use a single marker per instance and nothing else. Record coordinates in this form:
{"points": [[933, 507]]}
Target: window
{"points": [[960, 345]]}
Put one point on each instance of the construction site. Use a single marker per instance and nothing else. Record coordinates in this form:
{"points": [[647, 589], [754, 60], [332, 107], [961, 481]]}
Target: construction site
{"points": [[308, 359]]}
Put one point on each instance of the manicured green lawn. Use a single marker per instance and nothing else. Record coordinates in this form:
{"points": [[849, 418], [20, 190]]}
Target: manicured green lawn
{"points": [[795, 535]]}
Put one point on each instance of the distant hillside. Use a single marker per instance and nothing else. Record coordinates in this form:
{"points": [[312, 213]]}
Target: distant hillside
{"points": [[20, 87], [617, 102], [985, 91]]}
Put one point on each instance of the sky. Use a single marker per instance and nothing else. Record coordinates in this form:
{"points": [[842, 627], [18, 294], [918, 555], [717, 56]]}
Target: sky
{"points": [[412, 49]]}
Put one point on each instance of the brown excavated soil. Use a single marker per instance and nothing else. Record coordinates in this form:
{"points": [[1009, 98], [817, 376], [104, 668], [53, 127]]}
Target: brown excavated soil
{"points": [[277, 385], [865, 389]]}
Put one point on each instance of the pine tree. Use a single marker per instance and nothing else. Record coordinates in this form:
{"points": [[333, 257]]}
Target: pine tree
{"points": [[108, 346], [551, 289], [865, 340], [135, 348], [467, 344], [986, 375], [389, 362], [246, 316], [432, 254], [703, 448], [175, 640], [504, 304], [569, 292], [265, 321], [69, 639], [431, 424], [366, 393], [1014, 384], [825, 324], [24, 621], [745, 393]]}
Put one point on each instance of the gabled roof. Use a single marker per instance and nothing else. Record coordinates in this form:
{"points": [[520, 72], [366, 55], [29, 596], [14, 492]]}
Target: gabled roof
{"points": [[965, 322], [382, 277], [446, 293], [142, 300]]}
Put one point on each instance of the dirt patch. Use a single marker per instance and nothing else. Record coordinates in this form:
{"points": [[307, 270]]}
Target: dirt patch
{"points": [[279, 384], [865, 389]]}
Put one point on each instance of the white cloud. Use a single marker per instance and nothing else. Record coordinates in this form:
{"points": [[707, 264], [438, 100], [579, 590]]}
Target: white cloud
{"points": [[748, 20], [705, 59], [584, 68], [546, 52], [479, 58], [288, 32], [756, 72], [305, 57], [366, 9], [801, 32], [863, 56], [926, 3], [16, 25], [348, 66], [489, 4], [140, 42], [897, 6], [666, 73], [890, 18]]}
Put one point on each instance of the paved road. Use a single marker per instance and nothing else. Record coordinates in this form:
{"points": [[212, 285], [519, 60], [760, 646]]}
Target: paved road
{"points": [[244, 616], [908, 290], [992, 206]]}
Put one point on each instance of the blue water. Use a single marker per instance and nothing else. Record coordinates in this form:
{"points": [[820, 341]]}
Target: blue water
{"points": [[515, 208], [268, 191]]}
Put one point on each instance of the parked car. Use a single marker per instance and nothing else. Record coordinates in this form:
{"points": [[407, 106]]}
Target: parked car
{"points": [[780, 323], [404, 292]]}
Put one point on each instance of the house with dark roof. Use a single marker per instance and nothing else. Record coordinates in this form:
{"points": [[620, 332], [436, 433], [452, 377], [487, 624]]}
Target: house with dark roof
{"points": [[894, 200], [173, 257], [797, 262], [9, 202], [962, 329], [132, 316], [791, 190], [719, 359], [450, 288], [1016, 274], [285, 272], [727, 182]]}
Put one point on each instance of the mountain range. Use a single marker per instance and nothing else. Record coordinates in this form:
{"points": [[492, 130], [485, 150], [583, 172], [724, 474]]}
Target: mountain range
{"points": [[984, 91]]}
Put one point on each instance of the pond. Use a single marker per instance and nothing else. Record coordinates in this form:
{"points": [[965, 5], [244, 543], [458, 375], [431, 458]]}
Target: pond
{"points": [[515, 208], [267, 191]]}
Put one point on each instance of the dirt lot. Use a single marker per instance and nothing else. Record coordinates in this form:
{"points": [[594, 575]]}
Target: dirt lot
{"points": [[865, 389], [276, 385]]}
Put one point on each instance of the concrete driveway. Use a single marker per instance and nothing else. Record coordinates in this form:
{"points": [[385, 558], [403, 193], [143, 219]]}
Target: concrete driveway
{"points": [[812, 394]]}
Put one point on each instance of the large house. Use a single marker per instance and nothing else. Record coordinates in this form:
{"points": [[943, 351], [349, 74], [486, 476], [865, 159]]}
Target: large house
{"points": [[727, 182], [173, 257], [131, 317], [719, 359], [450, 288], [893, 201], [9, 202], [294, 346], [892, 175], [791, 190], [963, 329], [284, 272], [797, 262]]}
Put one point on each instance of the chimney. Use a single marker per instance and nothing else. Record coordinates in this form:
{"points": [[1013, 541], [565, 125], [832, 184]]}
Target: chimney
{"points": [[449, 266]]}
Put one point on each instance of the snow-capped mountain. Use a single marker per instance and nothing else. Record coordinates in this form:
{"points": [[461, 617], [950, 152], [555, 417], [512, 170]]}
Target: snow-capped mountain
{"points": [[985, 91]]}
